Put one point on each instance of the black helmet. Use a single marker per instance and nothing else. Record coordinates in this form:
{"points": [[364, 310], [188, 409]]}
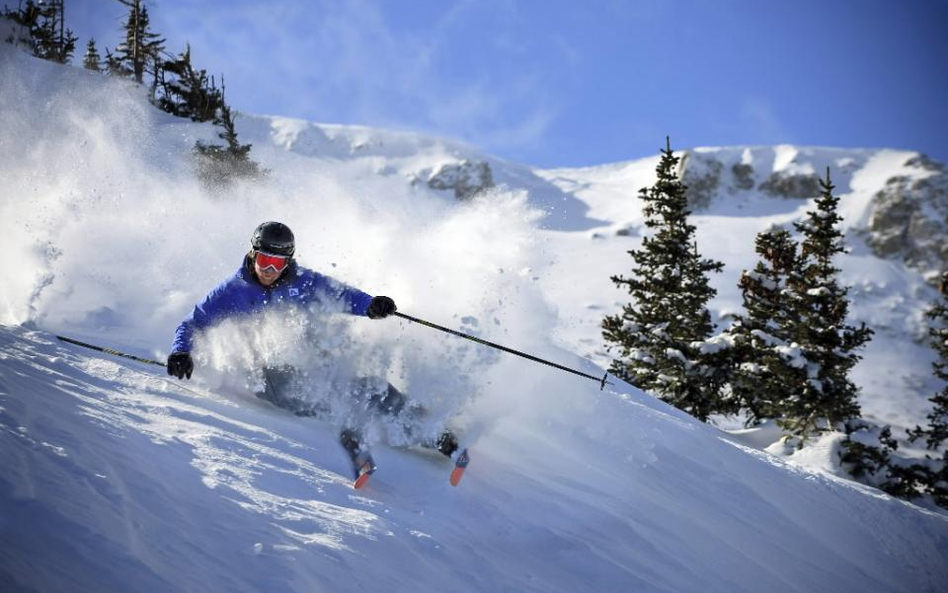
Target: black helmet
{"points": [[274, 238]]}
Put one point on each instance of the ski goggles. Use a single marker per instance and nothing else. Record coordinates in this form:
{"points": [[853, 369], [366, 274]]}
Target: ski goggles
{"points": [[265, 260]]}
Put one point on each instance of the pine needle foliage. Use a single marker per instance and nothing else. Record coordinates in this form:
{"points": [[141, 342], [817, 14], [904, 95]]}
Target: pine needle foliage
{"points": [[187, 91], [45, 22], [141, 48], [219, 165], [658, 336], [767, 362], [931, 474], [827, 343], [91, 60], [936, 433]]}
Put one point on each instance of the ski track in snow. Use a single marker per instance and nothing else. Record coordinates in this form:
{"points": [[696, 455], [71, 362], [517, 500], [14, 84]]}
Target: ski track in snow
{"points": [[228, 454]]}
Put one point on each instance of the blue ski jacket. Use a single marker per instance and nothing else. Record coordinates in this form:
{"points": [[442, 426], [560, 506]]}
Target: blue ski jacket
{"points": [[243, 294]]}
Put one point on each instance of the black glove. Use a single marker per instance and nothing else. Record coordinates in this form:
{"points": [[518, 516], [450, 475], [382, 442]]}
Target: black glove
{"points": [[381, 306], [180, 365]]}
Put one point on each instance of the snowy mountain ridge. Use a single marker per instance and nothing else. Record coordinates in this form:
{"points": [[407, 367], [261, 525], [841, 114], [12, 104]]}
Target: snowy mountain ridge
{"points": [[115, 477], [909, 229]]}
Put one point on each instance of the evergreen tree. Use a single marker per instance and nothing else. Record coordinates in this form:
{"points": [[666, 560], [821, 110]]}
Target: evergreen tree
{"points": [[187, 92], [46, 25], [827, 343], [92, 61], [113, 65], [937, 430], [660, 336], [218, 165], [869, 454], [62, 41], [768, 366], [27, 17], [141, 48]]}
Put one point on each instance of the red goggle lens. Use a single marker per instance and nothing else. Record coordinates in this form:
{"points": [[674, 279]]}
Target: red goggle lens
{"points": [[277, 262]]}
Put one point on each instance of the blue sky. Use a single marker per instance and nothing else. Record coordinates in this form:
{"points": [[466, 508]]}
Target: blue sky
{"points": [[565, 83]]}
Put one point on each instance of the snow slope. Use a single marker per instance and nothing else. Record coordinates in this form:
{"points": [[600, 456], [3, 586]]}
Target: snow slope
{"points": [[114, 477]]}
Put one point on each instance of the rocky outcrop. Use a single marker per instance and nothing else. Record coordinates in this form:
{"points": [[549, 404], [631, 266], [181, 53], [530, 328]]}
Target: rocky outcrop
{"points": [[743, 175], [701, 173], [708, 177], [909, 219], [465, 178], [795, 185], [923, 161]]}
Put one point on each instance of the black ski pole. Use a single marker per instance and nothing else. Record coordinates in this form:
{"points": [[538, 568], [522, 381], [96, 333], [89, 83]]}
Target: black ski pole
{"points": [[110, 351], [602, 382]]}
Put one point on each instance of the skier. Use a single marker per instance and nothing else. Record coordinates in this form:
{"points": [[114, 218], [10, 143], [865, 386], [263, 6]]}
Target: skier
{"points": [[270, 277]]}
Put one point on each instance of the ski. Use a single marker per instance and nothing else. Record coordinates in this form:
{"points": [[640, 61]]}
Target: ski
{"points": [[460, 464], [363, 466]]}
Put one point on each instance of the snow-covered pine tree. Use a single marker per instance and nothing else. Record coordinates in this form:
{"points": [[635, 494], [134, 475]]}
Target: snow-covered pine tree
{"points": [[658, 336], [768, 368], [91, 60], [827, 343], [870, 456], [141, 46], [936, 433]]}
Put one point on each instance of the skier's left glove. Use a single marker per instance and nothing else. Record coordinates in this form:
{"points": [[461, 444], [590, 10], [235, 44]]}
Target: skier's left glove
{"points": [[381, 306], [180, 365]]}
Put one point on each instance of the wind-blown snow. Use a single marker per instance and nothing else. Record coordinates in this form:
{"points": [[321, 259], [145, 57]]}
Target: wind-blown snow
{"points": [[115, 477]]}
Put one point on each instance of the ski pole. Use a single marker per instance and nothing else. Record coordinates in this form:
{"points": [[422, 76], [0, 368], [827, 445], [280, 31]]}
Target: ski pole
{"points": [[110, 351], [602, 382]]}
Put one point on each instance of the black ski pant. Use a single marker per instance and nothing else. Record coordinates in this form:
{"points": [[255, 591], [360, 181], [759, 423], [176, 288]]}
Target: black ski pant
{"points": [[369, 395]]}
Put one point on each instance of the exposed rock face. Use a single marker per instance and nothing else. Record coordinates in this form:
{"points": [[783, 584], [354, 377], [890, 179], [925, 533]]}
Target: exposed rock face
{"points": [[923, 161], [702, 174], [796, 185], [707, 177], [909, 219], [743, 176], [466, 178]]}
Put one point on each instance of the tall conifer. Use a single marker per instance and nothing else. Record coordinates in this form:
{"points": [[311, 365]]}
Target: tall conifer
{"points": [[827, 343], [769, 367], [141, 48], [658, 336]]}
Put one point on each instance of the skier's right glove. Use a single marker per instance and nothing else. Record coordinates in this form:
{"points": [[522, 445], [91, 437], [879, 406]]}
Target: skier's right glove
{"points": [[180, 365], [380, 307]]}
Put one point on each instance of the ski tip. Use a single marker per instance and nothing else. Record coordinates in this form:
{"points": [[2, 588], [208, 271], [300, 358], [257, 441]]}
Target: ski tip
{"points": [[362, 480], [459, 466], [365, 469]]}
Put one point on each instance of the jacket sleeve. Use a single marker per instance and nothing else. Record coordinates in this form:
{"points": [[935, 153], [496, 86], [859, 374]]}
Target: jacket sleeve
{"points": [[211, 309], [351, 299], [354, 300]]}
